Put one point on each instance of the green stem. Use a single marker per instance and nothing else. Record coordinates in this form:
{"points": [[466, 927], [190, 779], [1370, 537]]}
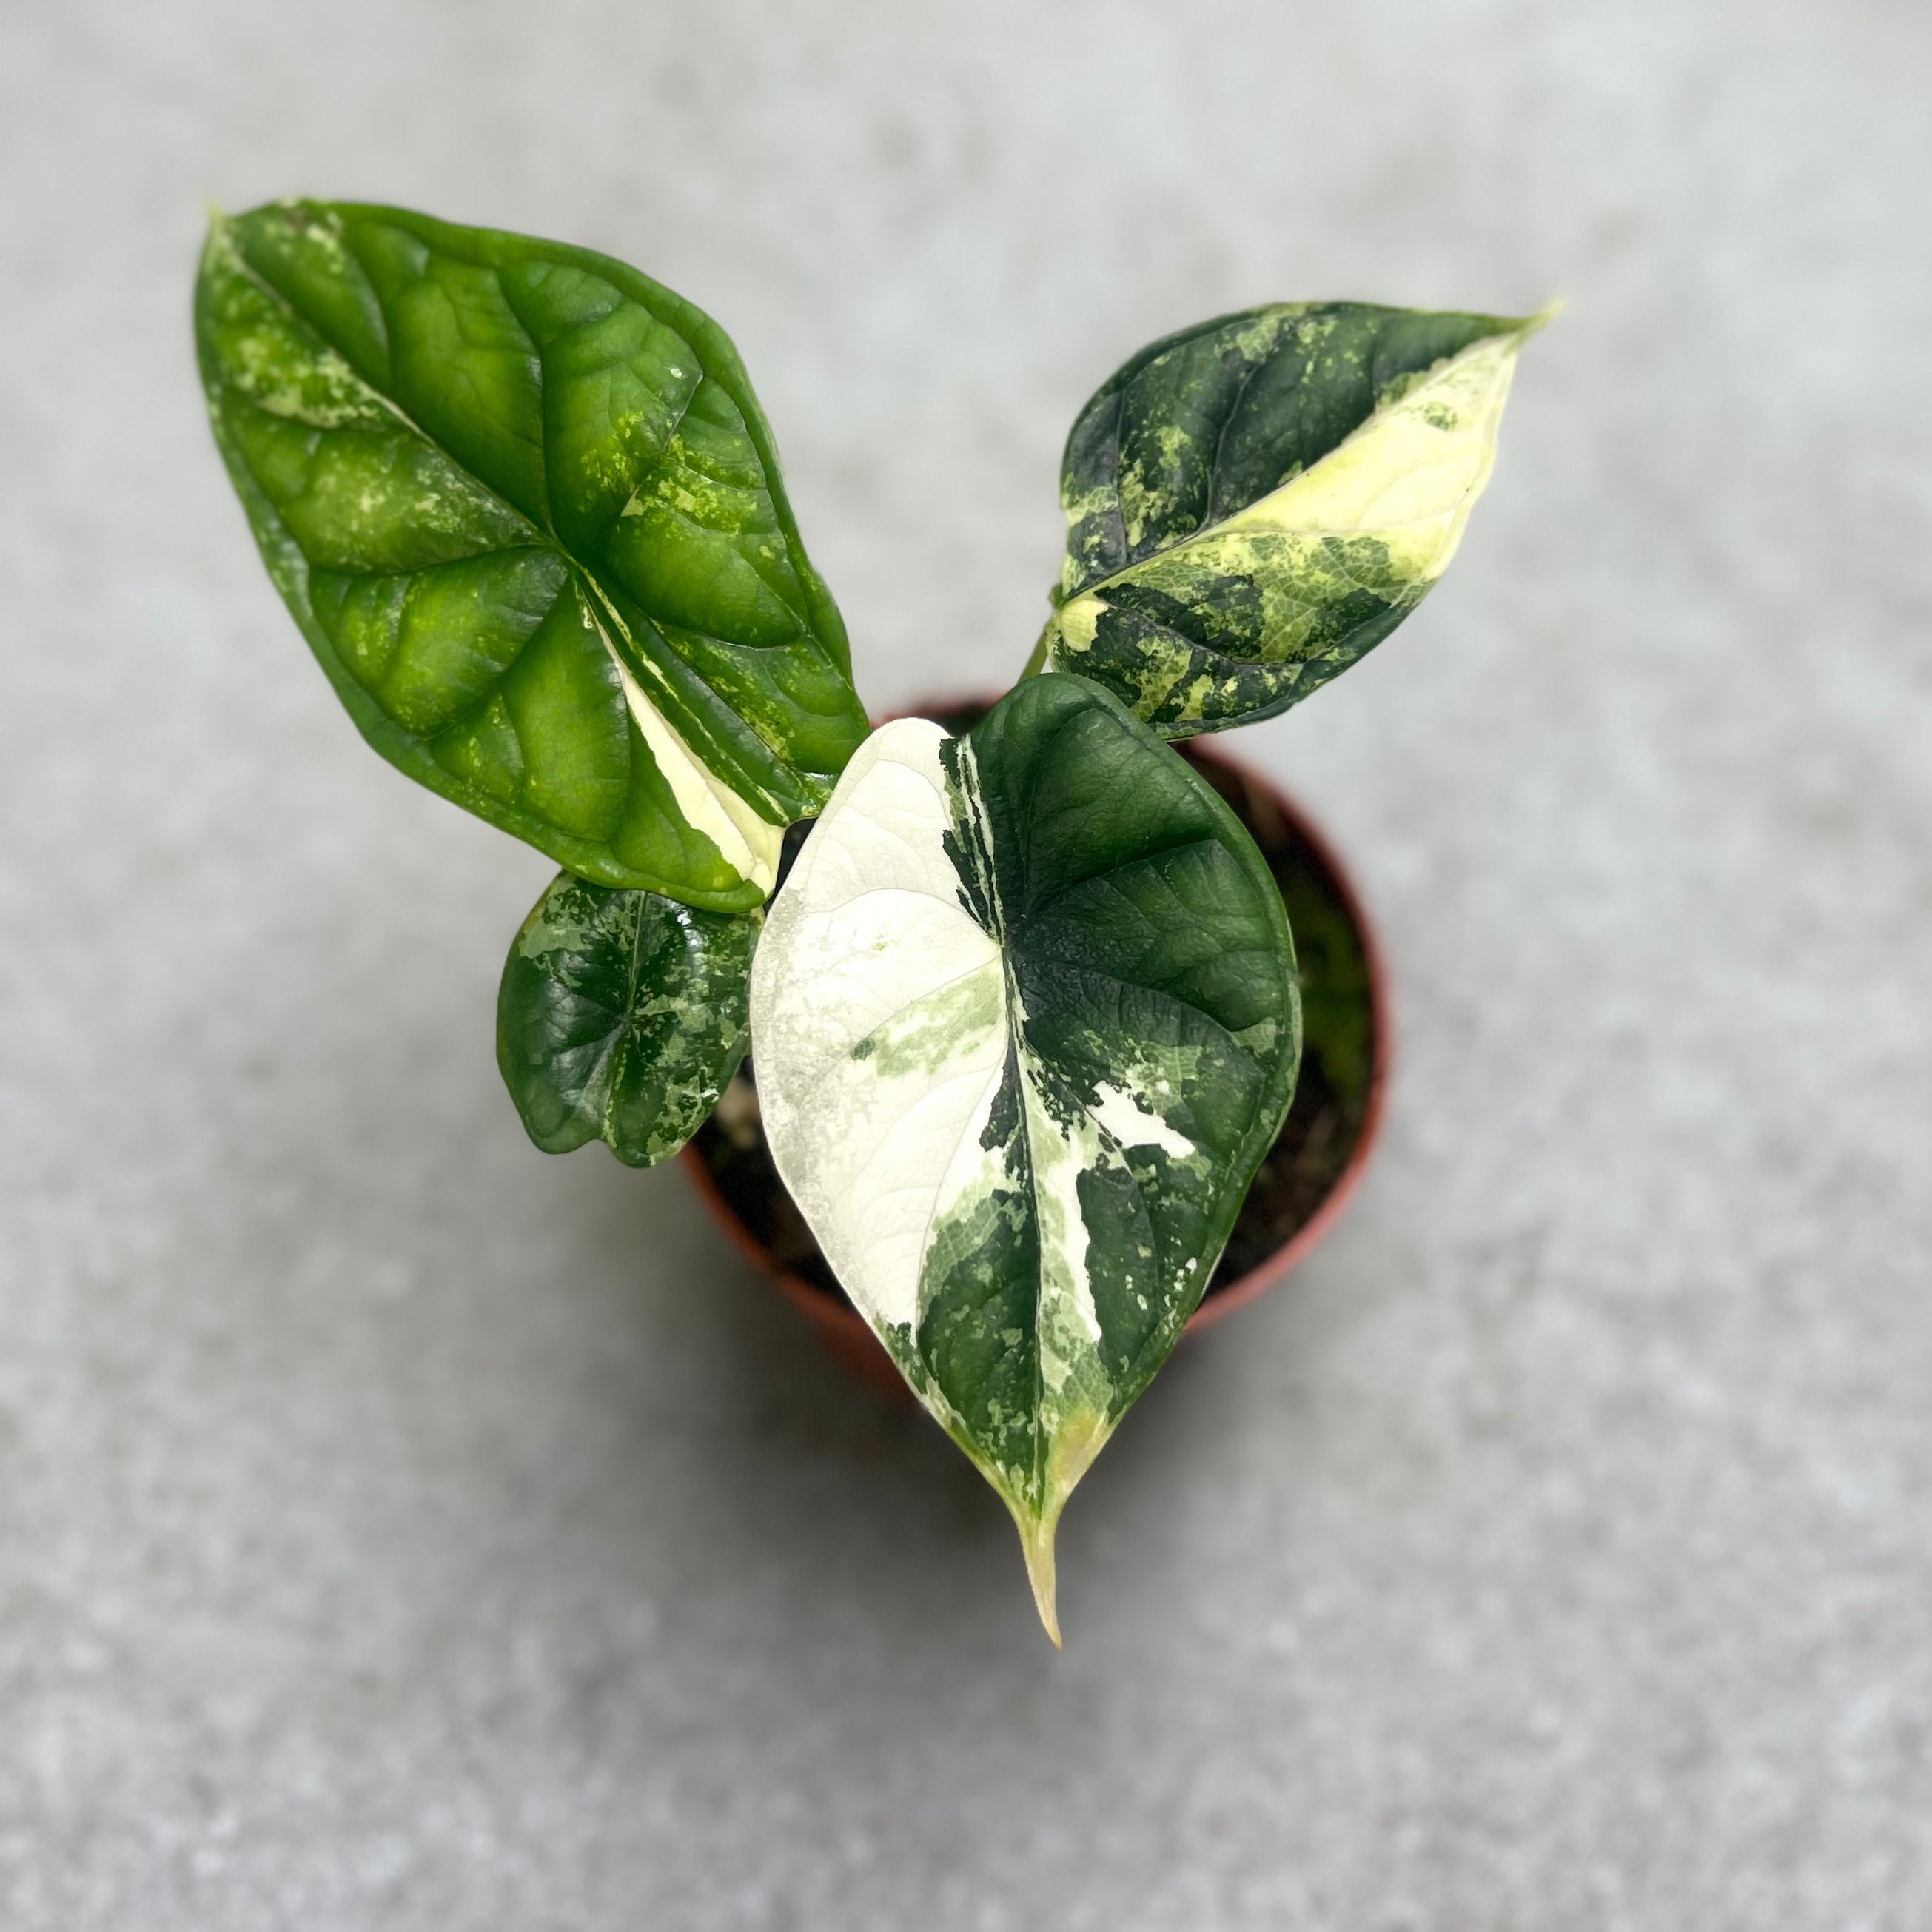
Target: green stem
{"points": [[1036, 663]]}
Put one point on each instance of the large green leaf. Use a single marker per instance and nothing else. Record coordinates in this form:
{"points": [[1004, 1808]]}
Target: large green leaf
{"points": [[621, 1016], [1025, 1022], [1255, 503], [522, 503]]}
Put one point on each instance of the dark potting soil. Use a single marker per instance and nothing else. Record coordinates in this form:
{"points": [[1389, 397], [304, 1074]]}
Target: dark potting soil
{"points": [[1331, 1096]]}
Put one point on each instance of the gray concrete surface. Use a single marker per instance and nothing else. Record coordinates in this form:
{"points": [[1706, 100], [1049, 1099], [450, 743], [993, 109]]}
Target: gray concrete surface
{"points": [[400, 1530]]}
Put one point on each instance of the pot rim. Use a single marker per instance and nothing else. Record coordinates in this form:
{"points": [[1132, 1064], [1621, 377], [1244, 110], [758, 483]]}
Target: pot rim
{"points": [[1316, 1228], [846, 1329]]}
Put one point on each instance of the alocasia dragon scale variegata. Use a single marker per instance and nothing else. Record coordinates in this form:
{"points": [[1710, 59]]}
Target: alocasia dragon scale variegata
{"points": [[1024, 1013]]}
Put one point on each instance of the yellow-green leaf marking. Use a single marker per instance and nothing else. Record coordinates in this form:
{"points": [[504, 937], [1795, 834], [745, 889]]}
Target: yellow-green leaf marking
{"points": [[1254, 503], [1025, 1021], [522, 503]]}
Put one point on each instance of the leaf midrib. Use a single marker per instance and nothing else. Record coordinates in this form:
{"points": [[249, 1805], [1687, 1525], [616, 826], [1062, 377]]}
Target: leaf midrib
{"points": [[1028, 1069]]}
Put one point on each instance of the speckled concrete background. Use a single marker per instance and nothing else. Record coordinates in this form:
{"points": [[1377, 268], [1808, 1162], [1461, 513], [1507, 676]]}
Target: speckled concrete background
{"points": [[400, 1530]]}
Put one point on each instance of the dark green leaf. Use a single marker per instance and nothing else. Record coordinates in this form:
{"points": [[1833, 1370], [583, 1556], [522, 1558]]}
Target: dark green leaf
{"points": [[1255, 503], [1025, 1022], [525, 508], [621, 1016]]}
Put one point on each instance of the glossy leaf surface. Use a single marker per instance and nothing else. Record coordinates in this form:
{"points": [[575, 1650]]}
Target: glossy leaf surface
{"points": [[621, 1016], [524, 506], [1254, 503], [1025, 1021]]}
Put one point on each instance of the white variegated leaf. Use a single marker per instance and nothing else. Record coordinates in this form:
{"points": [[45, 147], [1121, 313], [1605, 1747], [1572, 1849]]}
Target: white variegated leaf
{"points": [[1025, 1020]]}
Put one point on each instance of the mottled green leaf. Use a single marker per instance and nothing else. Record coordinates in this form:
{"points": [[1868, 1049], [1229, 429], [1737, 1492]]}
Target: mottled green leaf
{"points": [[1255, 503], [1025, 1022], [524, 505], [621, 1017]]}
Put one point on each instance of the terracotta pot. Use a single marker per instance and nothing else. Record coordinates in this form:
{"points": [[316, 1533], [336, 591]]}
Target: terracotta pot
{"points": [[841, 1328]]}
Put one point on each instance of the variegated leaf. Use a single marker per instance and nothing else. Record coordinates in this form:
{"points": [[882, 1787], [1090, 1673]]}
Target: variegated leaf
{"points": [[1253, 503], [621, 1016], [522, 503], [1025, 1020]]}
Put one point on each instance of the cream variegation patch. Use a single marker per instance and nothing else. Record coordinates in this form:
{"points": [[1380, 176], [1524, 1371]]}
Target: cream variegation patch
{"points": [[1131, 1124], [878, 1023], [748, 844], [1411, 473]]}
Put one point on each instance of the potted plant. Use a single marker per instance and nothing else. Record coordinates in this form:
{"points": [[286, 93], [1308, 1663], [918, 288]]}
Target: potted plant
{"points": [[1025, 1011], [1304, 1181]]}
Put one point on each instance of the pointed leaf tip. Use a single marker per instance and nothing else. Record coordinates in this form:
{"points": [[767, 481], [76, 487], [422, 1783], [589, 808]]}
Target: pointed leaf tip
{"points": [[1534, 324], [1036, 1543]]}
